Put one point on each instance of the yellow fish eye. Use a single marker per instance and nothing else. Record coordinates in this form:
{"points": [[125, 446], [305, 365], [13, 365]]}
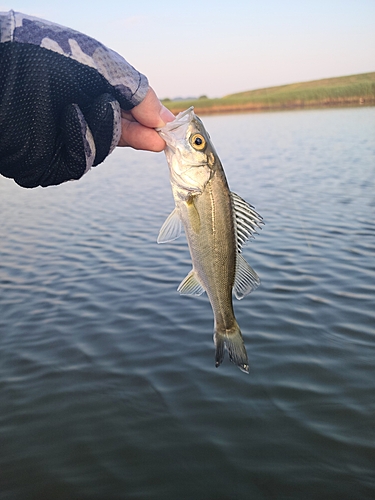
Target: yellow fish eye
{"points": [[198, 142]]}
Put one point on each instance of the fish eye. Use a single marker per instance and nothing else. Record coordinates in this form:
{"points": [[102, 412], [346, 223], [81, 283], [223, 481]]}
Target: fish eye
{"points": [[198, 142]]}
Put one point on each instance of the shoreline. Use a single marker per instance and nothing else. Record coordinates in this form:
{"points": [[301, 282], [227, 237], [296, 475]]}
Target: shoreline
{"points": [[351, 90], [176, 107]]}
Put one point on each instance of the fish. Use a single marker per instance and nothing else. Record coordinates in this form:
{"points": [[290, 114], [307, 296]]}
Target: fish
{"points": [[217, 224]]}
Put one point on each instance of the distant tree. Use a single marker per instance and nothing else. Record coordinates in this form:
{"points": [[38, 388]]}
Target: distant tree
{"points": [[203, 97]]}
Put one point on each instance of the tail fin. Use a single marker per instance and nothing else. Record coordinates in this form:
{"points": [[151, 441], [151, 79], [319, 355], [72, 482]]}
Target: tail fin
{"points": [[232, 341]]}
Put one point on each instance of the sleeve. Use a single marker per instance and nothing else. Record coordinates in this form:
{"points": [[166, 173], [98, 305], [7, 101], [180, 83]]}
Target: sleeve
{"points": [[61, 95]]}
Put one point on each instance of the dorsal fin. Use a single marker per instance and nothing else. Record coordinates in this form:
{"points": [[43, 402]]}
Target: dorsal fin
{"points": [[247, 220], [246, 280]]}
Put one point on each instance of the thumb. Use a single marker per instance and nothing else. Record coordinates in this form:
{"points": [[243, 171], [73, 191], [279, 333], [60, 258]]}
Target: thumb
{"points": [[151, 112]]}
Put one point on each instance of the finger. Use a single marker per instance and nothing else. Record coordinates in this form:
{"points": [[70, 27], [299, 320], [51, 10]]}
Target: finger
{"points": [[103, 117], [151, 113], [137, 136]]}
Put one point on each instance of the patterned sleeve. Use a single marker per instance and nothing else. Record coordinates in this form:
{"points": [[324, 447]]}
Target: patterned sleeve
{"points": [[130, 85], [61, 95]]}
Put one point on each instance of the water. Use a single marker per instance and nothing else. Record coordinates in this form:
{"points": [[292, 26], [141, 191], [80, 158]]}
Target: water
{"points": [[108, 388]]}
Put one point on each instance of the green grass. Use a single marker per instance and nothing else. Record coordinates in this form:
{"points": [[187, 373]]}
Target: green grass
{"points": [[353, 89]]}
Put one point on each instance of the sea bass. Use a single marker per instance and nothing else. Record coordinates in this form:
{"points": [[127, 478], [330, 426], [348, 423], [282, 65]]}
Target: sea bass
{"points": [[216, 222]]}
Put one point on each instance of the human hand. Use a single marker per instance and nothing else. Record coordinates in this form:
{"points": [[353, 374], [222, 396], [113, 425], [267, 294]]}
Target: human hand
{"points": [[138, 124], [70, 102]]}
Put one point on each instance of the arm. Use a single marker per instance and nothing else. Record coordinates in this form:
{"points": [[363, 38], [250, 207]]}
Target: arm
{"points": [[66, 102]]}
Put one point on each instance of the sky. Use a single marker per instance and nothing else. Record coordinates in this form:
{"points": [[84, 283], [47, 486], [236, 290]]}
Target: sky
{"points": [[215, 48]]}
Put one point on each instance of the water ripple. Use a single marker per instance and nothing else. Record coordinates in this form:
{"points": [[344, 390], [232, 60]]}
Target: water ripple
{"points": [[108, 387]]}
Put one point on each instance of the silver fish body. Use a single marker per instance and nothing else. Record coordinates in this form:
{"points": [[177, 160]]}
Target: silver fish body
{"points": [[216, 222]]}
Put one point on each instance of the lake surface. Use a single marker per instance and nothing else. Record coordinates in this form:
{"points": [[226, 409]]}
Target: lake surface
{"points": [[108, 388]]}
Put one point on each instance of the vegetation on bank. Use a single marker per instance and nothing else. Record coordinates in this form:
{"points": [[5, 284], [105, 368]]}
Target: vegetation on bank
{"points": [[352, 90]]}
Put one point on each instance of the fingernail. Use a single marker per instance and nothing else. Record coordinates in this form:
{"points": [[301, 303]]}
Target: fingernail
{"points": [[166, 115]]}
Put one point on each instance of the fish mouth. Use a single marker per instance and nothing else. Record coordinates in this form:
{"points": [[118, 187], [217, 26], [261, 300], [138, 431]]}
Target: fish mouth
{"points": [[177, 122], [184, 113]]}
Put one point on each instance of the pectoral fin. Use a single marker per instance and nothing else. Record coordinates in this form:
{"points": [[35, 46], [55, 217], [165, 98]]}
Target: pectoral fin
{"points": [[190, 285], [171, 229], [193, 215], [246, 279]]}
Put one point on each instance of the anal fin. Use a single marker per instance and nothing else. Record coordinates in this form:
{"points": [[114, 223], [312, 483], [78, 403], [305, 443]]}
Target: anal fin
{"points": [[191, 285]]}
